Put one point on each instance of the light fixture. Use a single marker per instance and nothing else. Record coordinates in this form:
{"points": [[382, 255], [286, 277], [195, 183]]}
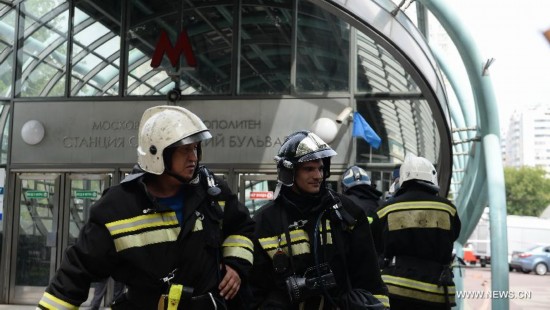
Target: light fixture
{"points": [[345, 115], [32, 132], [325, 128]]}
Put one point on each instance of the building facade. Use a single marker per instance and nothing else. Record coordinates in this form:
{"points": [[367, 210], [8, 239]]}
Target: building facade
{"points": [[528, 138], [75, 77]]}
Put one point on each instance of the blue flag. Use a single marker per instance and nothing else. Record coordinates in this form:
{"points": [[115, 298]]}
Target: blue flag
{"points": [[362, 129]]}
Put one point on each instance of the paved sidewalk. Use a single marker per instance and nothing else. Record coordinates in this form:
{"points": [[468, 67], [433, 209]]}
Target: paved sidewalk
{"points": [[530, 291]]}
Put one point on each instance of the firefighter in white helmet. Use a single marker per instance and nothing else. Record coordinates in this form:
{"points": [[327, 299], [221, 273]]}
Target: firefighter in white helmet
{"points": [[172, 232], [418, 231]]}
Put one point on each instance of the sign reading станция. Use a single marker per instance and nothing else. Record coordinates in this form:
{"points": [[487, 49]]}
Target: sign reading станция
{"points": [[106, 132]]}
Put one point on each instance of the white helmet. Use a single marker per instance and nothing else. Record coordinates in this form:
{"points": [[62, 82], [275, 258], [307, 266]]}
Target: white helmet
{"points": [[417, 168], [167, 126]]}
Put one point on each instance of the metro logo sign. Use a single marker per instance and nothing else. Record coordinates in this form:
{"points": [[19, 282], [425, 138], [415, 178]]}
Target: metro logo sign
{"points": [[164, 46]]}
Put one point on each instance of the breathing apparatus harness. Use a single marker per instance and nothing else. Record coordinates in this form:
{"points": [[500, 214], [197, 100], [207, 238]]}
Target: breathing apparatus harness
{"points": [[179, 292], [317, 279]]}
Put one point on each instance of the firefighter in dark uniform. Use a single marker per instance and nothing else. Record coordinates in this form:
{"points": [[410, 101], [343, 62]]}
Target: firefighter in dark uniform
{"points": [[314, 248], [419, 229], [357, 186], [172, 232]]}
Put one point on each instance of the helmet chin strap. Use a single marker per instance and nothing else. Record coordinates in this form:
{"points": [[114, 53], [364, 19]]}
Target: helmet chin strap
{"points": [[211, 187]]}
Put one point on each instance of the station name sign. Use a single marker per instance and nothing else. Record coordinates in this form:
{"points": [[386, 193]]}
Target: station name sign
{"points": [[116, 139], [123, 133], [106, 132]]}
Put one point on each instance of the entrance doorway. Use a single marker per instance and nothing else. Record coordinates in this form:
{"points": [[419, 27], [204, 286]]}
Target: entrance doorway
{"points": [[50, 209]]}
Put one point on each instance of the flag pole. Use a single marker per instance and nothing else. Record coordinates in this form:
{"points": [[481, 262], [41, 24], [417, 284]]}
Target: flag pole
{"points": [[370, 154]]}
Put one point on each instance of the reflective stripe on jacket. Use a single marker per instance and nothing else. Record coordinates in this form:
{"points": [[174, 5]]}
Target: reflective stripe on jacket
{"points": [[268, 287], [139, 242], [418, 232]]}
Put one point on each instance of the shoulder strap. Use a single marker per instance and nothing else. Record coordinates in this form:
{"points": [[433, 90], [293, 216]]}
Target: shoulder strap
{"points": [[346, 219], [207, 179], [339, 240], [284, 221], [213, 210]]}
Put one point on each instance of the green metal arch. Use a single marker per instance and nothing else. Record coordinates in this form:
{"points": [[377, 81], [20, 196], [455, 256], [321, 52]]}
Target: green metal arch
{"points": [[486, 168]]}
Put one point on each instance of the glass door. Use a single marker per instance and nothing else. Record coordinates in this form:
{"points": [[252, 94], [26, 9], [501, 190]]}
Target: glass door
{"points": [[50, 210], [83, 190], [37, 205]]}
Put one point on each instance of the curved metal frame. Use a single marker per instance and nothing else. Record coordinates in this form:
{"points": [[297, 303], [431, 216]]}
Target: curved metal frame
{"points": [[486, 168]]}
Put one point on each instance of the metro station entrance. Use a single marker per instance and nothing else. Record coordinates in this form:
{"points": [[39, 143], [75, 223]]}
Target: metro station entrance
{"points": [[50, 208]]}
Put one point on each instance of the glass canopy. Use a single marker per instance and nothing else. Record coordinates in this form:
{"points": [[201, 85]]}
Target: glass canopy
{"points": [[85, 49]]}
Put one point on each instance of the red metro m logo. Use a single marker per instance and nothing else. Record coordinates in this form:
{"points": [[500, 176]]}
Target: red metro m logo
{"points": [[164, 46]]}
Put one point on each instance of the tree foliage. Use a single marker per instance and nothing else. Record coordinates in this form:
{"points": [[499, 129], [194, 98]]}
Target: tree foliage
{"points": [[527, 190]]}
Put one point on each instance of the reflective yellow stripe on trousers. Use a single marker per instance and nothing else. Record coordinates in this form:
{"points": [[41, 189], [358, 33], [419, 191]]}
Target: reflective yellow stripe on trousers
{"points": [[51, 302], [417, 289]]}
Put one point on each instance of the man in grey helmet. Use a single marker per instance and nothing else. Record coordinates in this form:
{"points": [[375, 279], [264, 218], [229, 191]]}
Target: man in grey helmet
{"points": [[172, 232], [357, 186], [315, 249]]}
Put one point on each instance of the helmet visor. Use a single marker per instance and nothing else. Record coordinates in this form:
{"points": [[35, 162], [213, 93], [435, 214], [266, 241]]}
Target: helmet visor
{"points": [[317, 155], [198, 137]]}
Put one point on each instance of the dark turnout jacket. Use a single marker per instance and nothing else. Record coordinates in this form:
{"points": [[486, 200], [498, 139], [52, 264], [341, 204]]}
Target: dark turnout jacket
{"points": [[419, 229], [302, 213], [138, 242], [368, 199]]}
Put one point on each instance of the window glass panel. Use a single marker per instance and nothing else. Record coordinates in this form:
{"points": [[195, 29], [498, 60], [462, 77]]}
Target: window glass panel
{"points": [[266, 39], [199, 36], [2, 186], [378, 71], [322, 51], [7, 36], [5, 116], [96, 50], [36, 222], [44, 48], [405, 126]]}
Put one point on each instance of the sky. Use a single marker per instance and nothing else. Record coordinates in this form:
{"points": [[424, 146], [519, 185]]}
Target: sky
{"points": [[510, 31]]}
